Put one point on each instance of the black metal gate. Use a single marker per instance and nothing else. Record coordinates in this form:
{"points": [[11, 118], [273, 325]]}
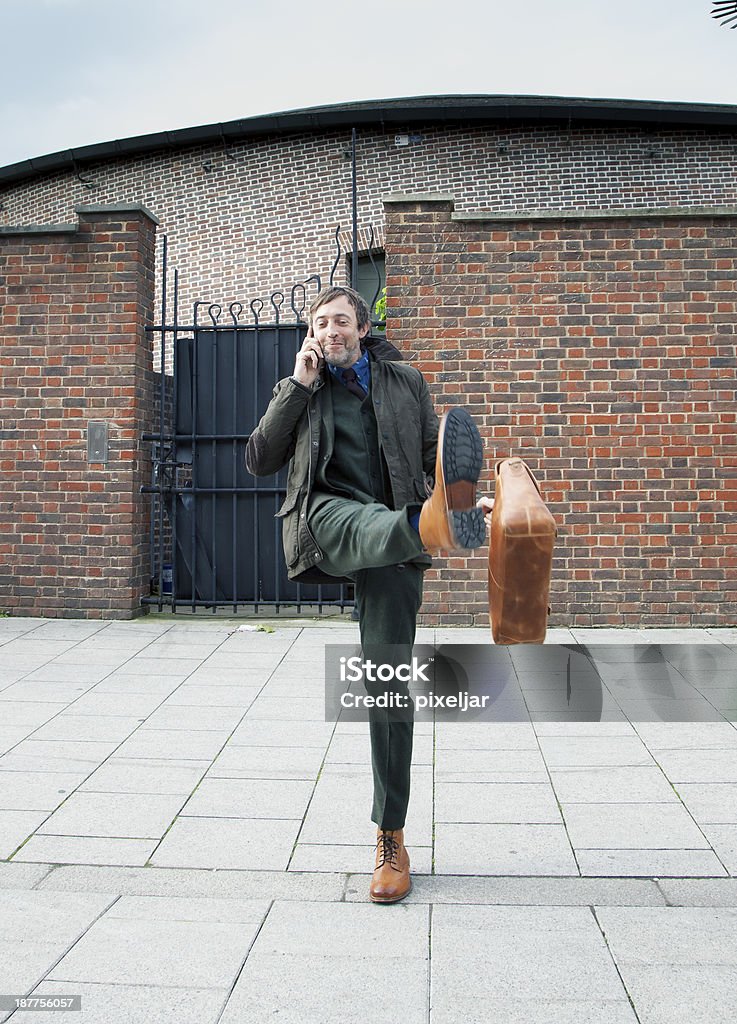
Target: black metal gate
{"points": [[214, 539]]}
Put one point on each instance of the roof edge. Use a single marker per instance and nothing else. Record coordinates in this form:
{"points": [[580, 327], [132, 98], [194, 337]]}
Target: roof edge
{"points": [[401, 111]]}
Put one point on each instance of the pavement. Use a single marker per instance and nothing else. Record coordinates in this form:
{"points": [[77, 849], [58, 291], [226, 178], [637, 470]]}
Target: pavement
{"points": [[185, 839]]}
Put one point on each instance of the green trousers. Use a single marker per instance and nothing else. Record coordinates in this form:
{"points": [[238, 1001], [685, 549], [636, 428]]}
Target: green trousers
{"points": [[382, 553]]}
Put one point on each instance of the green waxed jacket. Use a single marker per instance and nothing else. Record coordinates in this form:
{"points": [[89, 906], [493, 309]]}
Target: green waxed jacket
{"points": [[298, 426]]}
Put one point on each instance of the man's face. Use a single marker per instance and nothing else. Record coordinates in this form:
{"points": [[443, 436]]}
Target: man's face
{"points": [[335, 326]]}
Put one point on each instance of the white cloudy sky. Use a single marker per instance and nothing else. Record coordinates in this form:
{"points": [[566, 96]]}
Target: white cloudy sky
{"points": [[75, 72]]}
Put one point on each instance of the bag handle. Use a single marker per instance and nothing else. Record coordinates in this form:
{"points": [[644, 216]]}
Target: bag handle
{"points": [[512, 462]]}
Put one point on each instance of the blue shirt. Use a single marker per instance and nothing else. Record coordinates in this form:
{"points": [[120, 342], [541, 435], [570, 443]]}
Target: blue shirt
{"points": [[362, 372]]}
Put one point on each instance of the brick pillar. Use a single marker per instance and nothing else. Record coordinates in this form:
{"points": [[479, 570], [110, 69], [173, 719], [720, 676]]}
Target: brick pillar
{"points": [[599, 345], [75, 302]]}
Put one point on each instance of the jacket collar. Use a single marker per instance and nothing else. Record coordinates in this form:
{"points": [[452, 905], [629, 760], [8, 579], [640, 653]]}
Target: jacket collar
{"points": [[380, 348]]}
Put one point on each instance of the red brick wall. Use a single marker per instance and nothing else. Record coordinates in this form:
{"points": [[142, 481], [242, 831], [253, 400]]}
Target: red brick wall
{"points": [[74, 534], [603, 352], [261, 215]]}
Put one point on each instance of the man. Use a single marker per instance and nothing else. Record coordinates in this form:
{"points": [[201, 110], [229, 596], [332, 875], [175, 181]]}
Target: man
{"points": [[358, 428]]}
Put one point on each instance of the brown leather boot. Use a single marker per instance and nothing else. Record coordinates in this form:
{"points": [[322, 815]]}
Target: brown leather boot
{"points": [[450, 520], [391, 881]]}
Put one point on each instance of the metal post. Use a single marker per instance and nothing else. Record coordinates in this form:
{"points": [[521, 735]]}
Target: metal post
{"points": [[354, 257]]}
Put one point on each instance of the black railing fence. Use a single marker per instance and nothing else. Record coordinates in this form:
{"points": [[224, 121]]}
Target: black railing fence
{"points": [[215, 541]]}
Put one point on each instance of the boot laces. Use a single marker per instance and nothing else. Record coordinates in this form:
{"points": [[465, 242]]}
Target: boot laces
{"points": [[389, 851]]}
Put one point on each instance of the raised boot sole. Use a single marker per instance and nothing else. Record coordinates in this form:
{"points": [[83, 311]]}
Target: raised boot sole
{"points": [[450, 519], [468, 528], [463, 453]]}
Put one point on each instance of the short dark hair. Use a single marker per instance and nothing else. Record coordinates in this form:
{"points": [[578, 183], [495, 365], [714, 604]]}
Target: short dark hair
{"points": [[360, 306]]}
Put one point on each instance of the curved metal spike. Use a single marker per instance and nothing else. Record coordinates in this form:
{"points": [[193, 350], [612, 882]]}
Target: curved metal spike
{"points": [[277, 305], [372, 307], [298, 312], [214, 316], [256, 305], [315, 277], [198, 303], [235, 309], [337, 258]]}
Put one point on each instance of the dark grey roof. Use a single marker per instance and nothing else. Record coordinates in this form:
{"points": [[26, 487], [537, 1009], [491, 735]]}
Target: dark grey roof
{"points": [[396, 113]]}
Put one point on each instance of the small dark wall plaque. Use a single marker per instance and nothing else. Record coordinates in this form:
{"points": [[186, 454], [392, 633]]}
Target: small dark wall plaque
{"points": [[97, 446]]}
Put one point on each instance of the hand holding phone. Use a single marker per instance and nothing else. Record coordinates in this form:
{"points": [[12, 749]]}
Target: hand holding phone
{"points": [[309, 360]]}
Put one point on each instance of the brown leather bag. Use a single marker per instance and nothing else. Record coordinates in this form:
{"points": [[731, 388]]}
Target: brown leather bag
{"points": [[520, 557]]}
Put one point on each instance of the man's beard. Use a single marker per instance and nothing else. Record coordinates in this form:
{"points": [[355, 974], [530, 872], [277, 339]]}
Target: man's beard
{"points": [[343, 358]]}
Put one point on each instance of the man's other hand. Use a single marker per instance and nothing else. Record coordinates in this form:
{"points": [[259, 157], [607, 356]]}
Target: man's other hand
{"points": [[487, 504]]}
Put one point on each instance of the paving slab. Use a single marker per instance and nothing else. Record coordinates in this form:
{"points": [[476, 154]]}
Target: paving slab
{"points": [[53, 849], [14, 875], [355, 748], [28, 712], [11, 736], [260, 762], [703, 892], [83, 728], [178, 667], [136, 705], [54, 692], [249, 798], [485, 736], [468, 763], [558, 727], [688, 735], [672, 936], [16, 826], [481, 955], [194, 718], [36, 791], [351, 974], [117, 815], [257, 883], [174, 744], [711, 803], [227, 843], [165, 951], [590, 751], [723, 838], [159, 776], [503, 849], [612, 784], [31, 754], [679, 863], [203, 695], [288, 708], [699, 765], [122, 682], [530, 891], [682, 994], [48, 923], [126, 1004], [631, 826], [518, 802], [303, 989], [263, 732]]}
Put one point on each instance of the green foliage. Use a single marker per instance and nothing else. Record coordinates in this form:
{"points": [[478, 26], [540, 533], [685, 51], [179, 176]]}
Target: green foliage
{"points": [[380, 310]]}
